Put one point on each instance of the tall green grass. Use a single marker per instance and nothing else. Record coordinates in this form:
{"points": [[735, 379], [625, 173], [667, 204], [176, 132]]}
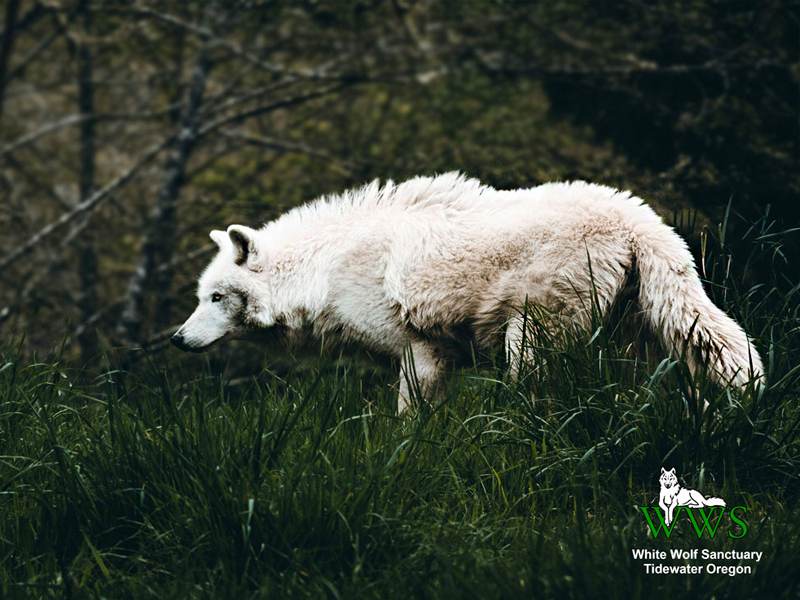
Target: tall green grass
{"points": [[173, 482]]}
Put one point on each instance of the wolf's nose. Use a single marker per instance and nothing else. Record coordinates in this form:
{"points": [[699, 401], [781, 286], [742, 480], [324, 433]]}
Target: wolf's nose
{"points": [[179, 342]]}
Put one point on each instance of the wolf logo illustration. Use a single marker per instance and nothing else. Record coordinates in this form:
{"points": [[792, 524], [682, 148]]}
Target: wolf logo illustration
{"points": [[423, 269], [673, 495]]}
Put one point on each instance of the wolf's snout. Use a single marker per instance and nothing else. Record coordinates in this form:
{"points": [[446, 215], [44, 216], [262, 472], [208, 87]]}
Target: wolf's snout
{"points": [[179, 342]]}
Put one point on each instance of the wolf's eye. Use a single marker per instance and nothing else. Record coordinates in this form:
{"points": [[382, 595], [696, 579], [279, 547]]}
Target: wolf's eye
{"points": [[216, 297]]}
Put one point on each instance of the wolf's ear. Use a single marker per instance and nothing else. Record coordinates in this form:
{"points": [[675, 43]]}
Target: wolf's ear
{"points": [[244, 246], [663, 470], [218, 237], [672, 470]]}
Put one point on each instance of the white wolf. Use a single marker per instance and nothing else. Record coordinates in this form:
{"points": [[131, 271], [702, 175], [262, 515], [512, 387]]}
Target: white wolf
{"points": [[673, 495], [419, 268]]}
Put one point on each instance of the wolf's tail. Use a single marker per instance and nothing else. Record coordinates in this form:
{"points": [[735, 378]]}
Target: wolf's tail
{"points": [[680, 312], [715, 502]]}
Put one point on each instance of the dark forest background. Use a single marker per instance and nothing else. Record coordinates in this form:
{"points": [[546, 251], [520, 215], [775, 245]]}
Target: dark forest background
{"points": [[128, 130]]}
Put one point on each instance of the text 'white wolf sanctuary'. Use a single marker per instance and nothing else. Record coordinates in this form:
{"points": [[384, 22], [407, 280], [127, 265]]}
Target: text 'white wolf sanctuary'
{"points": [[418, 268]]}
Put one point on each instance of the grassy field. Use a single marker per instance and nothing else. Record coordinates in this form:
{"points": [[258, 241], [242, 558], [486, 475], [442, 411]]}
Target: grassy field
{"points": [[173, 482]]}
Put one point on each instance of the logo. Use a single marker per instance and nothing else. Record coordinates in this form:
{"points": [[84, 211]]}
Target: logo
{"points": [[704, 515]]}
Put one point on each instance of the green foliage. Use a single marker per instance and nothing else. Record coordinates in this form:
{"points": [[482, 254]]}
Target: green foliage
{"points": [[178, 482]]}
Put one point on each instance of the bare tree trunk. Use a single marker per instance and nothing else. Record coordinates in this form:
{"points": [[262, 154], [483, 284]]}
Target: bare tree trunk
{"points": [[87, 261], [9, 31], [159, 243]]}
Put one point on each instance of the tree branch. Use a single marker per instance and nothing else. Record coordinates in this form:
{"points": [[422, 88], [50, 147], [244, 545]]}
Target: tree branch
{"points": [[87, 205]]}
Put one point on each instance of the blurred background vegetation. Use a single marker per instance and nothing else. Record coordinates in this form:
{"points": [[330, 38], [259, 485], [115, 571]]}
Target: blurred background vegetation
{"points": [[128, 130]]}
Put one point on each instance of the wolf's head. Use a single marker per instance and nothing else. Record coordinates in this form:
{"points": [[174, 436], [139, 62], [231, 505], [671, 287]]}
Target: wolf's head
{"points": [[668, 478], [233, 296]]}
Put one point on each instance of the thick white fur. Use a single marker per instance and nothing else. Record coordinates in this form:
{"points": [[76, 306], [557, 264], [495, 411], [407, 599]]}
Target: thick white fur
{"points": [[409, 268]]}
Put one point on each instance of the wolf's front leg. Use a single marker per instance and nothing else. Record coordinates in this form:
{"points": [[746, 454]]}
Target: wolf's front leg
{"points": [[670, 513], [420, 372], [665, 509]]}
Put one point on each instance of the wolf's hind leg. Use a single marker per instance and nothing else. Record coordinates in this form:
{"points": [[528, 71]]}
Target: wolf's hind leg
{"points": [[420, 373], [696, 499], [535, 326], [700, 500], [518, 345]]}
